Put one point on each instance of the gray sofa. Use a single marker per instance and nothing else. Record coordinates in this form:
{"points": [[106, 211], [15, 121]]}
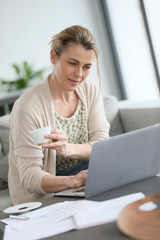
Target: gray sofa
{"points": [[123, 116]]}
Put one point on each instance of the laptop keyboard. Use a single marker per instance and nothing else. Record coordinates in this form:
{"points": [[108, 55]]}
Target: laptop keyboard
{"points": [[79, 192]]}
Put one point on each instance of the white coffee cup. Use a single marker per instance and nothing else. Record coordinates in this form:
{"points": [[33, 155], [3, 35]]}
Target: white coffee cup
{"points": [[37, 135]]}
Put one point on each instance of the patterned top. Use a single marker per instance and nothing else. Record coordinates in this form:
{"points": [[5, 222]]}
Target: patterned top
{"points": [[76, 132]]}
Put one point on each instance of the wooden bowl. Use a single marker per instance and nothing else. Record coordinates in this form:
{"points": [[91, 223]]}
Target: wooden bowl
{"points": [[140, 224]]}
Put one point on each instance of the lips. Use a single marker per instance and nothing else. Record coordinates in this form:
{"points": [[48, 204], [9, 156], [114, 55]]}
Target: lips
{"points": [[75, 82]]}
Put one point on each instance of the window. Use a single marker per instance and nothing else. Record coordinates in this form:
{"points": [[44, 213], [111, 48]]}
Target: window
{"points": [[152, 8], [132, 48]]}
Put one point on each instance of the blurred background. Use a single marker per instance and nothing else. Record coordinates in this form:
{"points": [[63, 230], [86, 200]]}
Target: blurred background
{"points": [[127, 34]]}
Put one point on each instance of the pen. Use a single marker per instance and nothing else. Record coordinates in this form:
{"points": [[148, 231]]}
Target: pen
{"points": [[19, 217]]}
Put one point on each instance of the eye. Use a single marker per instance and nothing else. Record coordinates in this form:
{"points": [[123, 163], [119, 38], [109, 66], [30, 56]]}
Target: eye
{"points": [[87, 67], [72, 63]]}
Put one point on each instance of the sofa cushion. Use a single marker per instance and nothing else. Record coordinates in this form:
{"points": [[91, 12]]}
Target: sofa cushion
{"points": [[4, 168], [4, 134], [4, 149], [3, 184], [1, 153], [112, 115], [136, 115]]}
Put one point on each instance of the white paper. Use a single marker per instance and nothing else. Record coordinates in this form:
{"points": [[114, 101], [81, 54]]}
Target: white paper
{"points": [[49, 230], [54, 213], [10, 234], [107, 211]]}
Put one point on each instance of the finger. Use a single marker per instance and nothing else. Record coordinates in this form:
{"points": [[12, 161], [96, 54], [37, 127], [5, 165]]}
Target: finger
{"points": [[56, 137], [84, 171], [57, 131], [55, 145]]}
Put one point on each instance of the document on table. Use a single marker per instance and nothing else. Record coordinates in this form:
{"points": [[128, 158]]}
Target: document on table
{"points": [[39, 233], [49, 215], [108, 211], [62, 217], [46, 221]]}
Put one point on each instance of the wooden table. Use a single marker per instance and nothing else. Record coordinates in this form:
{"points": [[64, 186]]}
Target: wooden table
{"points": [[106, 231]]}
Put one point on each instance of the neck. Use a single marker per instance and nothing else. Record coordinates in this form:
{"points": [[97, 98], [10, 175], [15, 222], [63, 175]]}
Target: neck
{"points": [[58, 92]]}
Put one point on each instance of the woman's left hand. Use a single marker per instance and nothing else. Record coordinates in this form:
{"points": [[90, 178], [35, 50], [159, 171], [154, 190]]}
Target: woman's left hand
{"points": [[59, 142]]}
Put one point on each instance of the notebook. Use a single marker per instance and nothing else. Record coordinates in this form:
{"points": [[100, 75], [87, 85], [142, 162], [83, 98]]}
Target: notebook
{"points": [[121, 160]]}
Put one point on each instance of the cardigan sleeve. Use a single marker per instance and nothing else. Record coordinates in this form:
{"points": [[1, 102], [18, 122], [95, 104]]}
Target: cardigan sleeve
{"points": [[29, 156], [30, 159]]}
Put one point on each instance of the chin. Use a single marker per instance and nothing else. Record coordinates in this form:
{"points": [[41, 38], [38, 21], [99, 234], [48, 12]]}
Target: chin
{"points": [[73, 87]]}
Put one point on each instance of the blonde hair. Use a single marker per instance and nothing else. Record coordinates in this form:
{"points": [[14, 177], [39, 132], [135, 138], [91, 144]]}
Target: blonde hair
{"points": [[79, 35]]}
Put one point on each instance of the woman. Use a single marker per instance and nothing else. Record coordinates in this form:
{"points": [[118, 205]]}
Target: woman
{"points": [[72, 106]]}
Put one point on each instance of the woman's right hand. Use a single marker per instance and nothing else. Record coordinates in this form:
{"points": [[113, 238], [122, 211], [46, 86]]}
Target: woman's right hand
{"points": [[79, 179]]}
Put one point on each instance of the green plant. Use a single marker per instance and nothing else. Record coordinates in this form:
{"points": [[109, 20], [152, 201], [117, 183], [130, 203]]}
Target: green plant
{"points": [[24, 74]]}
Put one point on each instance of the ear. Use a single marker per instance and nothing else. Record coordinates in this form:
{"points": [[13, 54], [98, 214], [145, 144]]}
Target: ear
{"points": [[53, 56]]}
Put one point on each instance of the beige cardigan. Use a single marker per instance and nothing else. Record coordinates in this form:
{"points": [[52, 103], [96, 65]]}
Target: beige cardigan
{"points": [[28, 163]]}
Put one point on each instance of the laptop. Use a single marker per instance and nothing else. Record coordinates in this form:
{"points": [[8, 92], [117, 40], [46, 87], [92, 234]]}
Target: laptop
{"points": [[121, 160]]}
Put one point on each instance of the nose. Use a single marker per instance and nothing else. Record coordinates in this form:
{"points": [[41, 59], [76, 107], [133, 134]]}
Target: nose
{"points": [[79, 72]]}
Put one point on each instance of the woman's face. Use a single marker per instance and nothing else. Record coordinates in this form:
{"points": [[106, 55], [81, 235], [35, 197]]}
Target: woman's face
{"points": [[73, 66]]}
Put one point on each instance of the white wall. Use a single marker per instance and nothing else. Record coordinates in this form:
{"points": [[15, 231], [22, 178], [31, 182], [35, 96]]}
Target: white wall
{"points": [[26, 27]]}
